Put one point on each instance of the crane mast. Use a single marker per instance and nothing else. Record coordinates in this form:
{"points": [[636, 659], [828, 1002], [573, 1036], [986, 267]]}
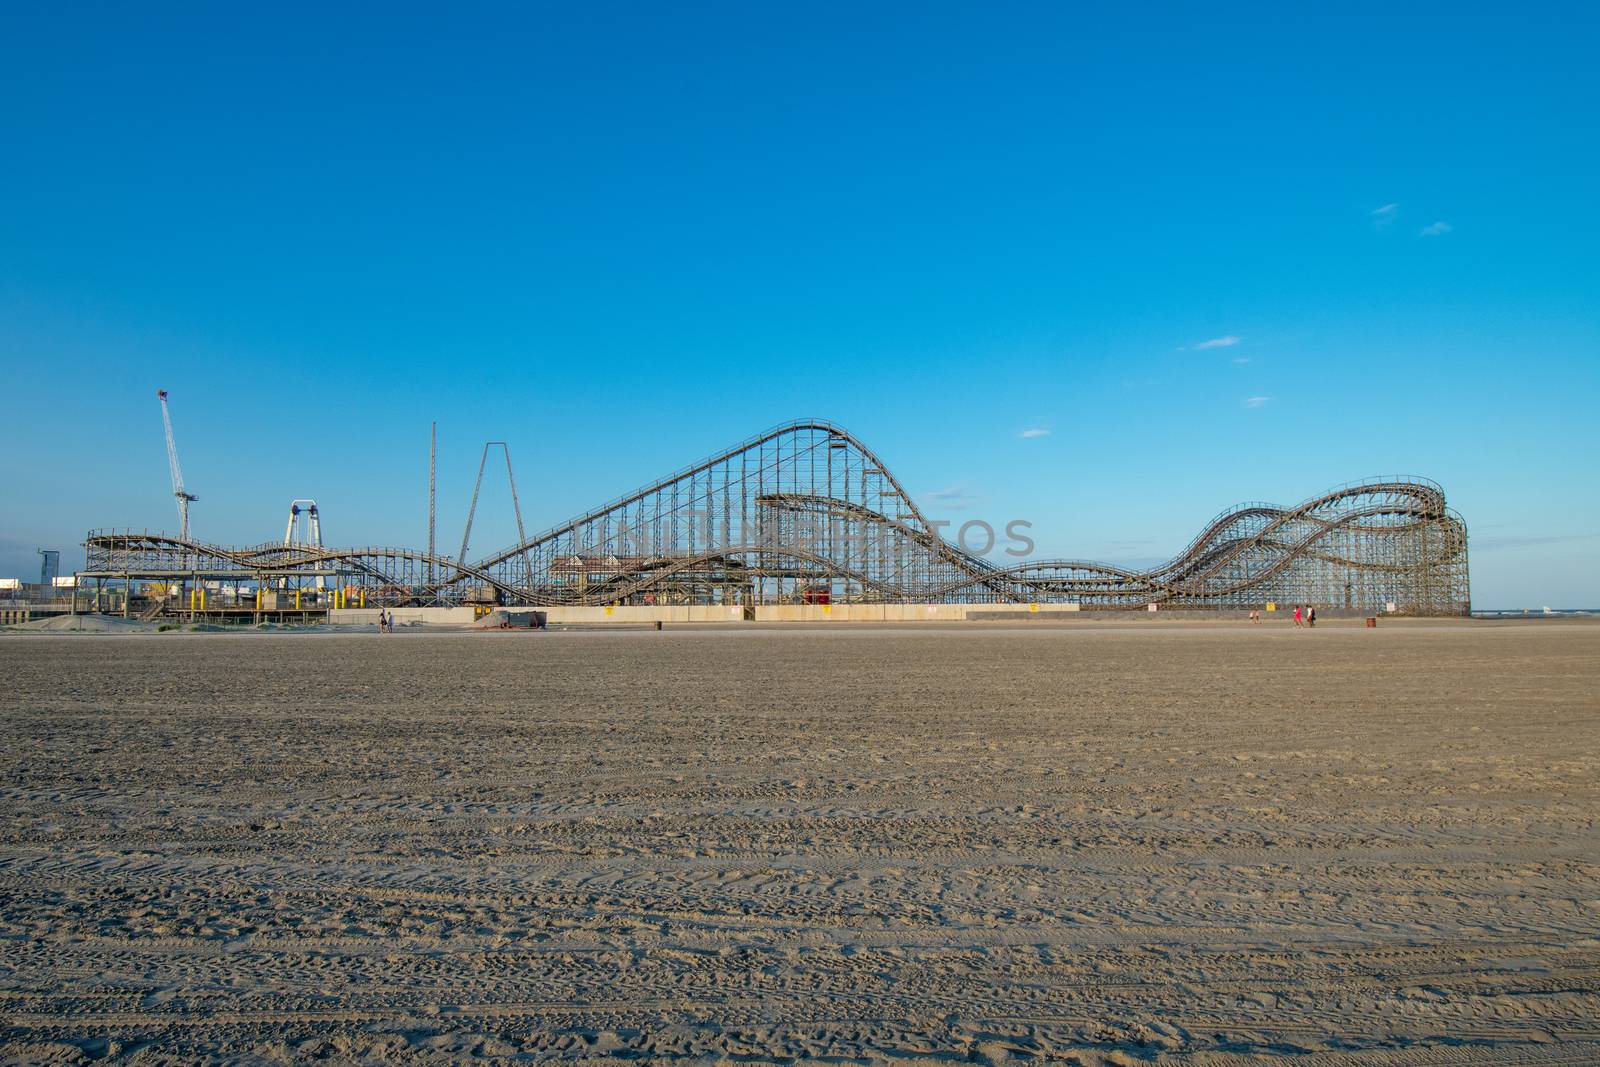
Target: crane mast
{"points": [[183, 496]]}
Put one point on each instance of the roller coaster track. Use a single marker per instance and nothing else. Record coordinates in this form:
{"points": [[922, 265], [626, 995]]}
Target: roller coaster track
{"points": [[1189, 569], [807, 508], [156, 555]]}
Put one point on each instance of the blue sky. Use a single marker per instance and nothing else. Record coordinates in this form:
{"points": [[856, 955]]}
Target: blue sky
{"points": [[1109, 272]]}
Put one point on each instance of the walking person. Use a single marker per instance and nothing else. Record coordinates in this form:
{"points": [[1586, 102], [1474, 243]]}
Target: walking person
{"points": [[1297, 614], [1311, 615]]}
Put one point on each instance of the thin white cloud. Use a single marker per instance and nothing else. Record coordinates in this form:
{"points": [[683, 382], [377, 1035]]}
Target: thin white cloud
{"points": [[1256, 401], [1219, 342], [1036, 431], [1241, 359], [1383, 217], [1437, 229], [954, 498], [1493, 543]]}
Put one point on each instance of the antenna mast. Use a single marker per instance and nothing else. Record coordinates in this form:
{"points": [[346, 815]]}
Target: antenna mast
{"points": [[433, 457]]}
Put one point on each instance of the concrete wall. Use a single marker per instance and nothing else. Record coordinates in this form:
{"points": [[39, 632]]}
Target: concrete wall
{"points": [[402, 616], [640, 615], [903, 612], [861, 613]]}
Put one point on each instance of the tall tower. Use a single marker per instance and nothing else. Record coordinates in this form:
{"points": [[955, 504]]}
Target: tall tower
{"points": [[49, 566], [433, 459]]}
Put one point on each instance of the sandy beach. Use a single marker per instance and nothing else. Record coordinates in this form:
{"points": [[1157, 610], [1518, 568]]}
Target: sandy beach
{"points": [[1207, 844]]}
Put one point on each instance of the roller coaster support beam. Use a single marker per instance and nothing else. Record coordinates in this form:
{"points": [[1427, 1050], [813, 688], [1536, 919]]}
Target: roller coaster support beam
{"points": [[516, 504]]}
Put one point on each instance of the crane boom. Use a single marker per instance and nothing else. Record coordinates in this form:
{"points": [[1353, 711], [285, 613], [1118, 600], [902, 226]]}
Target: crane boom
{"points": [[178, 491]]}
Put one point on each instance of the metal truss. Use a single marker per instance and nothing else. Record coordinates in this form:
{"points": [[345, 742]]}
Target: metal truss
{"points": [[807, 512]]}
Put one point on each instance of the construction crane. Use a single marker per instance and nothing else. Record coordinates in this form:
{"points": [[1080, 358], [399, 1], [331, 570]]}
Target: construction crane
{"points": [[184, 497]]}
